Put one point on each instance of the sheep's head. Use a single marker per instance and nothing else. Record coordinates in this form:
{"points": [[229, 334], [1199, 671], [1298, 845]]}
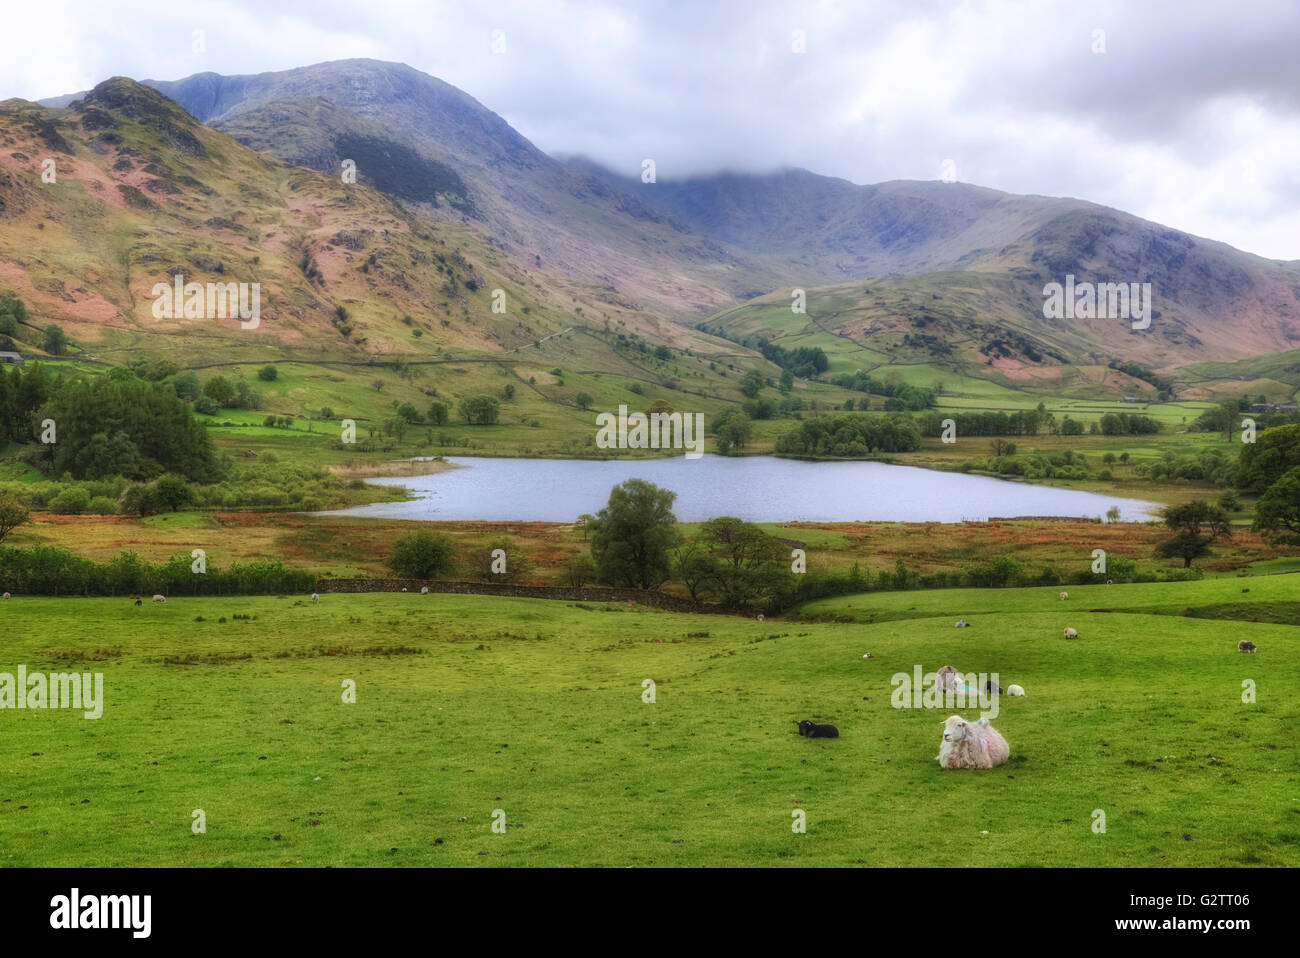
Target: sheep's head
{"points": [[955, 729]]}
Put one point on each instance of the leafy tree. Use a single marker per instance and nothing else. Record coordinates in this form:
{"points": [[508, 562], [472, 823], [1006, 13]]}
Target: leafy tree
{"points": [[745, 563], [583, 400], [268, 374], [409, 413], [187, 385], [787, 381], [220, 390], [752, 383], [173, 492], [13, 513], [480, 410], [1277, 513], [422, 555], [631, 535], [1273, 453], [100, 420], [1196, 525], [55, 340], [579, 570], [439, 412], [731, 431]]}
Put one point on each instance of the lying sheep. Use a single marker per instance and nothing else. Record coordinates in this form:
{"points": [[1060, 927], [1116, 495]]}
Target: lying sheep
{"points": [[962, 624], [160, 598], [1064, 596], [1245, 646], [971, 745], [1070, 633], [424, 590], [810, 729], [948, 678], [1015, 690], [6, 597]]}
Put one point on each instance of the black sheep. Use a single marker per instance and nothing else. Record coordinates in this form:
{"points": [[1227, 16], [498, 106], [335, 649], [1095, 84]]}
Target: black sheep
{"points": [[810, 729]]}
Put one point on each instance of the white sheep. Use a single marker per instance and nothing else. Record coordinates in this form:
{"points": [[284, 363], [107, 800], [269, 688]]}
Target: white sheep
{"points": [[1064, 596], [6, 596], [971, 745], [948, 679], [315, 598], [160, 598], [1071, 633], [424, 590], [1015, 690], [962, 624]]}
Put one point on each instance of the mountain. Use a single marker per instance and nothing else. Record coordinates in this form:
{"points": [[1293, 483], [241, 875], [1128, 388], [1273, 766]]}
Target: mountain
{"points": [[694, 251], [143, 191]]}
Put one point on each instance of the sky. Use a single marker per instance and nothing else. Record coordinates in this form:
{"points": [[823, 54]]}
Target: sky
{"points": [[1186, 113]]}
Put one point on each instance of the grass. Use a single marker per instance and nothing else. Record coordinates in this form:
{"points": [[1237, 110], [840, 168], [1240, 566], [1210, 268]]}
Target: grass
{"points": [[536, 709]]}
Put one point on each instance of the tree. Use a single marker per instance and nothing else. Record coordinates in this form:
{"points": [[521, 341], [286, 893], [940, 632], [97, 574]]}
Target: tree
{"points": [[583, 400], [745, 562], [787, 381], [692, 564], [1273, 453], [219, 388], [631, 535], [55, 340], [732, 430], [1196, 525], [422, 555], [752, 382], [439, 413], [12, 514], [173, 492], [508, 391], [1277, 514], [580, 570], [482, 410]]}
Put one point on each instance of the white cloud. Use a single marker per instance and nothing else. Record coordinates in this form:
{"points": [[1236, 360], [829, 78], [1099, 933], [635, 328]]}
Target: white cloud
{"points": [[1190, 118]]}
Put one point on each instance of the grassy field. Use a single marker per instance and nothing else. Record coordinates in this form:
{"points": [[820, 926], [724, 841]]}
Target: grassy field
{"points": [[467, 705]]}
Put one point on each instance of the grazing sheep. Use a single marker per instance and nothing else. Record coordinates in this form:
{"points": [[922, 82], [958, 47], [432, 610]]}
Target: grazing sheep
{"points": [[139, 601], [1064, 596], [971, 745], [991, 688], [315, 598], [810, 729], [962, 624], [1015, 690], [948, 678], [1245, 646], [1070, 633], [868, 656], [160, 598]]}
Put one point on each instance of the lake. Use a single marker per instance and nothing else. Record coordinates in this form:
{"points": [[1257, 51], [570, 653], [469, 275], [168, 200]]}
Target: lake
{"points": [[754, 488]]}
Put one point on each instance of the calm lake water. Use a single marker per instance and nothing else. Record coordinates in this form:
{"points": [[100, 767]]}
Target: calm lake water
{"points": [[756, 488]]}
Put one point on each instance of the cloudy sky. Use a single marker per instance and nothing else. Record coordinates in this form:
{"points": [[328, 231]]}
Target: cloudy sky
{"points": [[1184, 112]]}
